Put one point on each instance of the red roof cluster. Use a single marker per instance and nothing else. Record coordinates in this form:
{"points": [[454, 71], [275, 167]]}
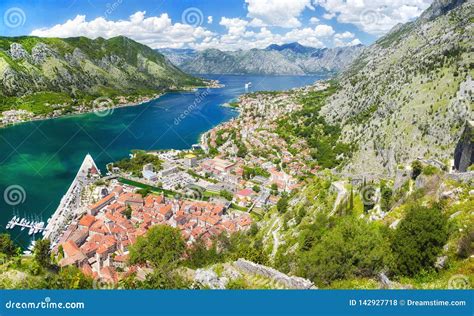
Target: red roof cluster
{"points": [[99, 243]]}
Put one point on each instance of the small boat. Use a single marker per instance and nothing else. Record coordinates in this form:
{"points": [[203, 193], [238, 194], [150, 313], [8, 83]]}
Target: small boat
{"points": [[31, 247], [30, 232]]}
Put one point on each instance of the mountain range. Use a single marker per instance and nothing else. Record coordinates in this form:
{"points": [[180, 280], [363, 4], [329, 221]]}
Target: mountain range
{"points": [[79, 68], [286, 59]]}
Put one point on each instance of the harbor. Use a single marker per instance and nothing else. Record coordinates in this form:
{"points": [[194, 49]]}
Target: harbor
{"points": [[34, 226]]}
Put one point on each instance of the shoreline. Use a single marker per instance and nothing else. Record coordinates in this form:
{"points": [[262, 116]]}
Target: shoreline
{"points": [[212, 85]]}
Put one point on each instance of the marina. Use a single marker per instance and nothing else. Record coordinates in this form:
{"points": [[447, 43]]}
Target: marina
{"points": [[34, 226]]}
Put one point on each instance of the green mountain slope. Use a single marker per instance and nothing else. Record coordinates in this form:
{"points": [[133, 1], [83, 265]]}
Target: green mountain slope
{"points": [[409, 94], [76, 70]]}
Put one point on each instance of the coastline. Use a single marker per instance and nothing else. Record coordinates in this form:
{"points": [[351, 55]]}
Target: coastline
{"points": [[213, 84]]}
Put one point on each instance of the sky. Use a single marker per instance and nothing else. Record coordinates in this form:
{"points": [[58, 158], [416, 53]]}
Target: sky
{"points": [[201, 24]]}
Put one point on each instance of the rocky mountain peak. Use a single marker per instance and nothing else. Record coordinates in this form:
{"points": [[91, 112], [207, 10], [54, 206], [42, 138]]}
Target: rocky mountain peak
{"points": [[441, 7]]}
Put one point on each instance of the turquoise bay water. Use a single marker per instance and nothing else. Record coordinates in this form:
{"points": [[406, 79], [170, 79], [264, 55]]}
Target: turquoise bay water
{"points": [[41, 158]]}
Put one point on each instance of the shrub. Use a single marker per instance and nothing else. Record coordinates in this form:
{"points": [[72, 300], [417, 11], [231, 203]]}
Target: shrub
{"points": [[466, 245], [419, 239], [162, 246], [417, 168], [353, 248]]}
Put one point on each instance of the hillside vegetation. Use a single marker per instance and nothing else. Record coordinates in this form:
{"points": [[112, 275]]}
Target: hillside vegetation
{"points": [[409, 94], [41, 75]]}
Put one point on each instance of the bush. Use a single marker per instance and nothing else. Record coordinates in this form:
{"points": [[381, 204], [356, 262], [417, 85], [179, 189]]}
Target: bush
{"points": [[7, 246], [416, 168], [419, 239], [162, 246], [466, 245], [353, 248], [282, 204], [430, 170]]}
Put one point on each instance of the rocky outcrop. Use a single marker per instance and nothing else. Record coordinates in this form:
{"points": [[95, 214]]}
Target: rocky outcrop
{"points": [[464, 152], [440, 7], [208, 278], [409, 94], [291, 282]]}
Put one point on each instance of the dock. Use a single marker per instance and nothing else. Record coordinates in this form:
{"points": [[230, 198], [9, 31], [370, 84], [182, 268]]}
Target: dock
{"points": [[34, 227]]}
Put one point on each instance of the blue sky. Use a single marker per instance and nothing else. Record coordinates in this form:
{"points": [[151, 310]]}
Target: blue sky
{"points": [[224, 24]]}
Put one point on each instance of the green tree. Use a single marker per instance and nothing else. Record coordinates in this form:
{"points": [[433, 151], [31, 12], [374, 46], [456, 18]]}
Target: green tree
{"points": [[274, 187], [199, 255], [417, 169], [70, 277], [419, 239], [42, 253], [161, 246], [164, 278], [282, 204], [7, 246], [128, 212], [226, 195], [386, 193], [353, 248]]}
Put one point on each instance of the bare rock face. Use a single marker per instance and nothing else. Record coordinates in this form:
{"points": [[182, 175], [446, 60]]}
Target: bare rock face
{"points": [[440, 7], [18, 52], [464, 152], [40, 52], [210, 279]]}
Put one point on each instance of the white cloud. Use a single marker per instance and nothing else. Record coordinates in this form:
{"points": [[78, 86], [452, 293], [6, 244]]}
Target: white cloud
{"points": [[329, 16], [209, 19], [341, 43], [156, 31], [344, 35], [374, 16], [281, 13], [234, 26], [160, 31], [314, 20]]}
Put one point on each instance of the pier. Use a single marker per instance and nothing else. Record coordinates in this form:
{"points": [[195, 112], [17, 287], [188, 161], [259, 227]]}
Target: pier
{"points": [[34, 227]]}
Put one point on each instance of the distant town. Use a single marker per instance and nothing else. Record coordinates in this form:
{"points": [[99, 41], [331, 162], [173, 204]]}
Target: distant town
{"points": [[213, 188]]}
